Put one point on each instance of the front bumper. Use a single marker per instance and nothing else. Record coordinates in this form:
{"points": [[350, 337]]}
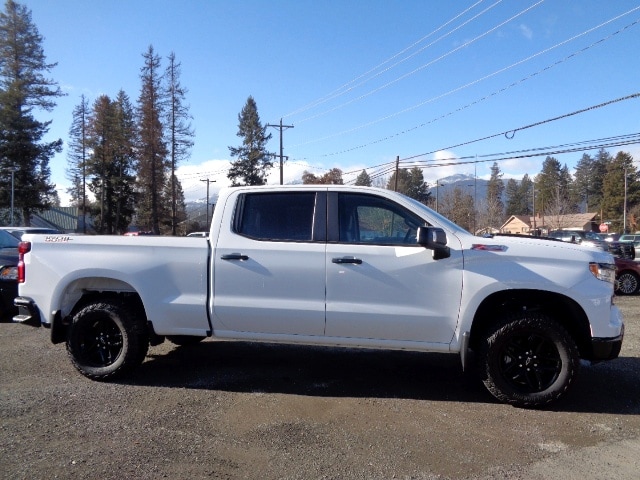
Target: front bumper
{"points": [[606, 348]]}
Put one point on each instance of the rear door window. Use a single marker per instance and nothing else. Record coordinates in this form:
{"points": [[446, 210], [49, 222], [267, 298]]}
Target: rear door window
{"points": [[284, 217]]}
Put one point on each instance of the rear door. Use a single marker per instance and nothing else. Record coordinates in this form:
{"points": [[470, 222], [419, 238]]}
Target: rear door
{"points": [[269, 266]]}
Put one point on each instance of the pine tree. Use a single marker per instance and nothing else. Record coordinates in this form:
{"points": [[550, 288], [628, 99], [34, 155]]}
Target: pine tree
{"points": [[526, 193], [495, 186], [179, 131], [23, 88], [253, 160], [598, 173], [515, 202], [411, 183], [546, 183], [77, 155], [363, 180], [110, 166], [124, 165], [614, 190], [102, 141], [584, 188], [152, 149]]}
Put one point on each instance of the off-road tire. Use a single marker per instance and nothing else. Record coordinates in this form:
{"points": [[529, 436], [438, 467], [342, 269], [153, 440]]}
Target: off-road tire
{"points": [[105, 341], [528, 360]]}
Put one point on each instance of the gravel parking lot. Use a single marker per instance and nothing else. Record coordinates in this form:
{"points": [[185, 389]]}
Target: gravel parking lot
{"points": [[230, 410]]}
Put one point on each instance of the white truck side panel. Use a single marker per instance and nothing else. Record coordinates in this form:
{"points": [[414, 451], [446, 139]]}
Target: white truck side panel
{"points": [[170, 274]]}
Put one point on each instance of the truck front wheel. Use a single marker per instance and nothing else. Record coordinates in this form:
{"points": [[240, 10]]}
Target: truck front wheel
{"points": [[528, 360], [105, 341]]}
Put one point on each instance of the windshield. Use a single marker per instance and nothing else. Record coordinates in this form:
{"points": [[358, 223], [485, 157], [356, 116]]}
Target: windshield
{"points": [[629, 238], [592, 236], [7, 240], [441, 220]]}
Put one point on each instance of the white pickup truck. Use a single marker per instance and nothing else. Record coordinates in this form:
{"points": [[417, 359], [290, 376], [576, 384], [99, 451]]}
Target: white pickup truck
{"points": [[333, 266]]}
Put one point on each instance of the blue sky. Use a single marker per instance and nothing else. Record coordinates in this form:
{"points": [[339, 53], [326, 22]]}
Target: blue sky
{"points": [[363, 82]]}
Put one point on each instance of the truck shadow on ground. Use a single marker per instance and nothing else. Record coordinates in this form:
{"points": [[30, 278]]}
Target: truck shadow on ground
{"points": [[611, 387]]}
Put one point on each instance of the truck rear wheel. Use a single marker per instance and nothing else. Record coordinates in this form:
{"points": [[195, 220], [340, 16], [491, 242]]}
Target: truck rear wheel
{"points": [[105, 341], [528, 360]]}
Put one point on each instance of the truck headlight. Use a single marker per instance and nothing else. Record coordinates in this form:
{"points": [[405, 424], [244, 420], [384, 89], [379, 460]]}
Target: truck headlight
{"points": [[603, 271]]}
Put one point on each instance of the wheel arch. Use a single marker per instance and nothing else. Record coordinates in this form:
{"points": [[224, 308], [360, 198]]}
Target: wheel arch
{"points": [[566, 311], [83, 291]]}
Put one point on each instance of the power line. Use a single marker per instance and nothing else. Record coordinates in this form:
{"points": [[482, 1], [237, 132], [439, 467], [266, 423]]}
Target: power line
{"points": [[441, 57], [347, 86], [486, 97], [510, 133], [580, 146]]}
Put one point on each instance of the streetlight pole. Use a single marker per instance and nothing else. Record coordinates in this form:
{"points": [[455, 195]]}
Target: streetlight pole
{"points": [[437, 190], [13, 174], [624, 213], [533, 193]]}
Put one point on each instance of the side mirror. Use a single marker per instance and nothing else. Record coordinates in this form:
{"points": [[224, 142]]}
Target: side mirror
{"points": [[435, 239]]}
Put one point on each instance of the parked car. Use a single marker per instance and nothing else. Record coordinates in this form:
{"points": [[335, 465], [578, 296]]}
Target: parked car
{"points": [[8, 275], [609, 237], [580, 236], [630, 238], [19, 231], [627, 276]]}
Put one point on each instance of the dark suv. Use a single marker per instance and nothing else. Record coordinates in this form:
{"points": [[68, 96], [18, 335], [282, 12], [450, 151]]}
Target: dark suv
{"points": [[8, 275]]}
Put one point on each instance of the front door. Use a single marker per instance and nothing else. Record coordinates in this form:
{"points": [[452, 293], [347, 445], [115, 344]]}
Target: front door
{"points": [[382, 285]]}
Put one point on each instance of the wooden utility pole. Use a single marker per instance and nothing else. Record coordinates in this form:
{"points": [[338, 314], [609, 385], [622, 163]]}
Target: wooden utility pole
{"points": [[281, 127], [208, 182], [395, 187]]}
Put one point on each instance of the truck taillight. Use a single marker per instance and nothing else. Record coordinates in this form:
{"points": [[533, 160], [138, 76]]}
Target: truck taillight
{"points": [[23, 247]]}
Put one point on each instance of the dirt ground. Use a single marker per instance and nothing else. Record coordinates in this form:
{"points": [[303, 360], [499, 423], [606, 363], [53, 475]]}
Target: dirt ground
{"points": [[229, 410]]}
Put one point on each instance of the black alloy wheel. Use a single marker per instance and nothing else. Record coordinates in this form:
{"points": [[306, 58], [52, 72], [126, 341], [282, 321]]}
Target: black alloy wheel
{"points": [[105, 340], [528, 360]]}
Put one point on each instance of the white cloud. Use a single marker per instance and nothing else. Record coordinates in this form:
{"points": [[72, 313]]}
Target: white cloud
{"points": [[525, 31], [442, 157], [194, 179]]}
